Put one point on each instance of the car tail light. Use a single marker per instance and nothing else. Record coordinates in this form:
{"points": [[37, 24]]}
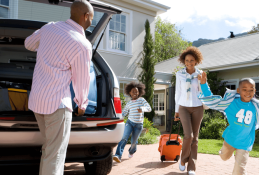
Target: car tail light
{"points": [[110, 123], [117, 101]]}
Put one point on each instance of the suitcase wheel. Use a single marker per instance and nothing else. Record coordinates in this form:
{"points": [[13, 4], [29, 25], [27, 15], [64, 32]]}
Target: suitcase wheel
{"points": [[162, 158], [177, 158]]}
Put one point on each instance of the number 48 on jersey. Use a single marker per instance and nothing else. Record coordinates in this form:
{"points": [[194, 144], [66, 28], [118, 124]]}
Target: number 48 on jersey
{"points": [[247, 118]]}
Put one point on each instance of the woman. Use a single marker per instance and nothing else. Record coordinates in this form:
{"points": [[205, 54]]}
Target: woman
{"points": [[188, 108]]}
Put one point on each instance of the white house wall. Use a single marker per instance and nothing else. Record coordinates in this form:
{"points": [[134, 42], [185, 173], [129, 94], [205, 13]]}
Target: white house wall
{"points": [[123, 64], [239, 73]]}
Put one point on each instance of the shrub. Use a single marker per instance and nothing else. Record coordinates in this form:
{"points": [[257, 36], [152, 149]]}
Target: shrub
{"points": [[145, 139], [154, 131], [147, 124], [213, 129]]}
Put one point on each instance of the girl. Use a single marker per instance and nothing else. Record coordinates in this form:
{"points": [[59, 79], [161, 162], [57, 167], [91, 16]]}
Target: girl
{"points": [[188, 107], [135, 108]]}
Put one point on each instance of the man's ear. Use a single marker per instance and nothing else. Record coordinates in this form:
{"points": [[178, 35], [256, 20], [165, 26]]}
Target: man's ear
{"points": [[237, 90], [86, 16]]}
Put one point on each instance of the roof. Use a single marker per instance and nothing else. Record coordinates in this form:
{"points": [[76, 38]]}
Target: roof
{"points": [[230, 53]]}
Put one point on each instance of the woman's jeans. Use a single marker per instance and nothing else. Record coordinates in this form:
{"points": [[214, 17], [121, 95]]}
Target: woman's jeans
{"points": [[135, 129]]}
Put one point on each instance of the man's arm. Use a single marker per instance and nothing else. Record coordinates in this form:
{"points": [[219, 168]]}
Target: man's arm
{"points": [[80, 67], [32, 42]]}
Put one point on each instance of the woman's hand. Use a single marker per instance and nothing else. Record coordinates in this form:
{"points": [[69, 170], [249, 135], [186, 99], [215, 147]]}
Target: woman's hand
{"points": [[202, 78], [176, 116]]}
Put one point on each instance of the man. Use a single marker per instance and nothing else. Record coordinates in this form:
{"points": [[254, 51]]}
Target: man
{"points": [[63, 54]]}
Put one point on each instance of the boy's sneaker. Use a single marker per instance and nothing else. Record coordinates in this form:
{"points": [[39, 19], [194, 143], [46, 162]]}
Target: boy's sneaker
{"points": [[191, 172], [130, 155], [116, 159]]}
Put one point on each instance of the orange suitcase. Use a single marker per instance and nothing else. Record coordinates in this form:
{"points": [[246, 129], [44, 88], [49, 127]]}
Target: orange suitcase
{"points": [[170, 146]]}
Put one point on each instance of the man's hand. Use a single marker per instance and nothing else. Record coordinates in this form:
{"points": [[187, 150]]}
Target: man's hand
{"points": [[176, 116], [202, 78], [80, 112]]}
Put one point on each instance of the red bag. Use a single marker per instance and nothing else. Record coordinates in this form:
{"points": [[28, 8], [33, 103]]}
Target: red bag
{"points": [[170, 146]]}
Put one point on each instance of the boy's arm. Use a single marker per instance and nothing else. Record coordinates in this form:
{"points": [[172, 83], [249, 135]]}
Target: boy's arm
{"points": [[215, 102]]}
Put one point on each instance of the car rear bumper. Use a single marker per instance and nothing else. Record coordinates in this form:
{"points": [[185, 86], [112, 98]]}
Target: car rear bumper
{"points": [[34, 138]]}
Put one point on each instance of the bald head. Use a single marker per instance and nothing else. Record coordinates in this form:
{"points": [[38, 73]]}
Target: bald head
{"points": [[81, 12]]}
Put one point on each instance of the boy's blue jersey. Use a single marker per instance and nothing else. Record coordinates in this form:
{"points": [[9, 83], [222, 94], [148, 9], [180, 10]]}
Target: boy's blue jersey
{"points": [[241, 117], [241, 130]]}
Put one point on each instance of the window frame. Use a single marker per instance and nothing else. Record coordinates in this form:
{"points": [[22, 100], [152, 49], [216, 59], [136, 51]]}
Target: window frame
{"points": [[128, 38], [158, 102], [12, 9]]}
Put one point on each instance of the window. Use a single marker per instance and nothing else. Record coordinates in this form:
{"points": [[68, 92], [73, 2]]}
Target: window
{"points": [[117, 32], [232, 87], [4, 8], [122, 87], [97, 17], [231, 84], [4, 2], [159, 102]]}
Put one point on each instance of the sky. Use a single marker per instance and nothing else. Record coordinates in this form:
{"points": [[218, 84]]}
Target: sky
{"points": [[210, 19]]}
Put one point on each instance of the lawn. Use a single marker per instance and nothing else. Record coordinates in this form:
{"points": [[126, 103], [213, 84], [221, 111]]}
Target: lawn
{"points": [[210, 146]]}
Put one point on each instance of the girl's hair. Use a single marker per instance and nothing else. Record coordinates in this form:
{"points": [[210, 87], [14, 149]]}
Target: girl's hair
{"points": [[141, 88], [194, 51]]}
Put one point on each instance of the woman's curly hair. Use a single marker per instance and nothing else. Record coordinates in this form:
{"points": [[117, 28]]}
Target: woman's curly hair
{"points": [[141, 88], [194, 51]]}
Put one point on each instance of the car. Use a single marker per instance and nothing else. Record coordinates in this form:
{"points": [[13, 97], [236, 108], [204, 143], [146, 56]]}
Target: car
{"points": [[93, 136]]}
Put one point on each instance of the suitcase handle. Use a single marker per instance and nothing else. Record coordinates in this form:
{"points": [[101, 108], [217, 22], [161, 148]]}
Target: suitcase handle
{"points": [[171, 132]]}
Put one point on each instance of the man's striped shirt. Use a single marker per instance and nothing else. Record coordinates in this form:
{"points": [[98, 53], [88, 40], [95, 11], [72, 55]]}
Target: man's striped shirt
{"points": [[132, 107], [63, 55]]}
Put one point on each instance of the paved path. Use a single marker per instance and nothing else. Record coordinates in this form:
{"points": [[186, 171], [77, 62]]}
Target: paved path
{"points": [[146, 161]]}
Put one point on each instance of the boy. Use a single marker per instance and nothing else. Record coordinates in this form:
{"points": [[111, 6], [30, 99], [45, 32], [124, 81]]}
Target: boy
{"points": [[241, 110]]}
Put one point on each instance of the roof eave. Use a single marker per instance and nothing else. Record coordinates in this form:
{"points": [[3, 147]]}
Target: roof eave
{"points": [[149, 4], [233, 66]]}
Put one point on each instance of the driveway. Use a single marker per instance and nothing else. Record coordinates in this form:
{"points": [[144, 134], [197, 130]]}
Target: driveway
{"points": [[147, 161]]}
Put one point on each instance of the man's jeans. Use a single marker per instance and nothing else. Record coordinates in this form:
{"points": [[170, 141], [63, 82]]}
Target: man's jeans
{"points": [[135, 129]]}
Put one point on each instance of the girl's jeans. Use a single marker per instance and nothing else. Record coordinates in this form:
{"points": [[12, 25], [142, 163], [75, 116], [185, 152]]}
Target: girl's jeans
{"points": [[135, 129]]}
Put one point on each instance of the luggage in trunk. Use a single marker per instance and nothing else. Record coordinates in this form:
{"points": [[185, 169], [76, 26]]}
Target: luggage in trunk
{"points": [[12, 99], [92, 96]]}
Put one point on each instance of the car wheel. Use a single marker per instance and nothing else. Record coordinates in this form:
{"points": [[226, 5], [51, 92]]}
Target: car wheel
{"points": [[102, 167]]}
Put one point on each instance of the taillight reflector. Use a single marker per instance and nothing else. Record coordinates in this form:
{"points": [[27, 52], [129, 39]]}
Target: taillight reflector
{"points": [[117, 105], [110, 123], [7, 118]]}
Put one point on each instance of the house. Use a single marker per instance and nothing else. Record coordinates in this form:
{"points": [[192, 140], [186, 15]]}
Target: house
{"points": [[234, 59], [122, 43]]}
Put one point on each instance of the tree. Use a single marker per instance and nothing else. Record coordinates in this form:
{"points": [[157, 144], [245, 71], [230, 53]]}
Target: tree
{"points": [[147, 64], [255, 29], [168, 40]]}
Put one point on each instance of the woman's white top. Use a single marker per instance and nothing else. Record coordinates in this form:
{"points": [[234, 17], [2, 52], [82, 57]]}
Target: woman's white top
{"points": [[181, 90]]}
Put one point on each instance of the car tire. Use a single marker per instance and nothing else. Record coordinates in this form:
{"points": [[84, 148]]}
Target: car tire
{"points": [[102, 167]]}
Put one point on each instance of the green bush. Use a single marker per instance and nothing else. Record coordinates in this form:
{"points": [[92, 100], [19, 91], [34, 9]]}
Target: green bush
{"points": [[145, 139], [213, 129], [147, 124], [154, 131]]}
